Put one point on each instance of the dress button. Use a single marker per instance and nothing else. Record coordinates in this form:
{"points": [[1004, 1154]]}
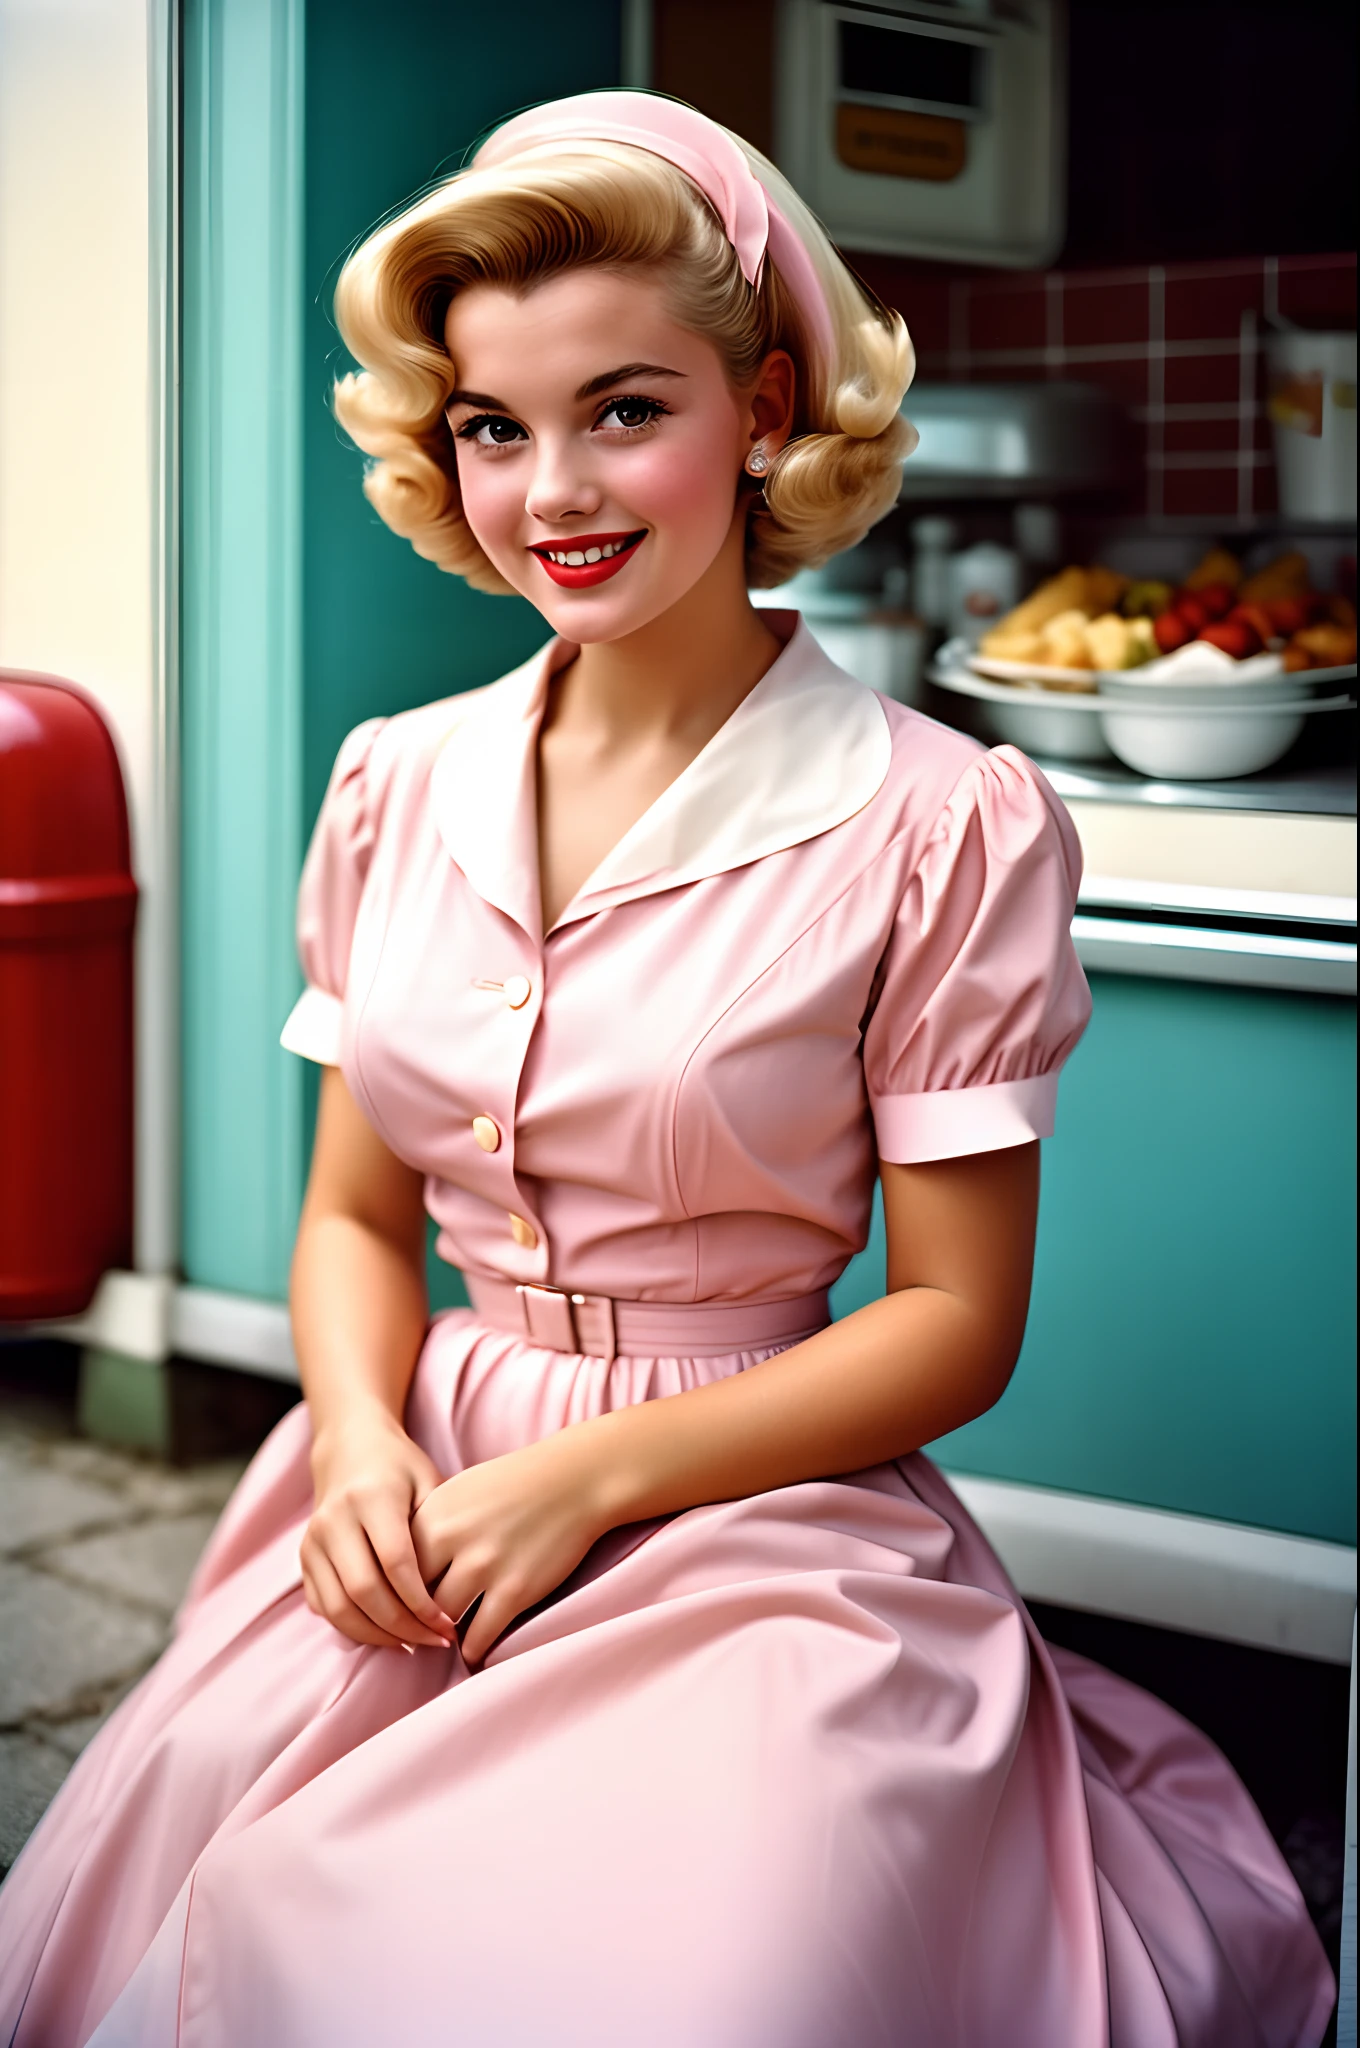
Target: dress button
{"points": [[518, 991], [523, 1233], [487, 1133]]}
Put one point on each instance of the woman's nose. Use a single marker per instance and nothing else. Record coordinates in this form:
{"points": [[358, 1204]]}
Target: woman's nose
{"points": [[561, 486]]}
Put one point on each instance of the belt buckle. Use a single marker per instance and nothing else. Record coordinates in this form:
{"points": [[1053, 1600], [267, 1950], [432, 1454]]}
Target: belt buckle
{"points": [[548, 1318], [580, 1323], [593, 1319]]}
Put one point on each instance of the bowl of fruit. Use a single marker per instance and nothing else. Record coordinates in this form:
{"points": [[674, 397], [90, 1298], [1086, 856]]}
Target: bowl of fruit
{"points": [[1276, 611], [1208, 679], [1238, 661]]}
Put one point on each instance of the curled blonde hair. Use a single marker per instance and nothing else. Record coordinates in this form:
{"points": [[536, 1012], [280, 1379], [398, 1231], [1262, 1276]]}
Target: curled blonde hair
{"points": [[618, 207]]}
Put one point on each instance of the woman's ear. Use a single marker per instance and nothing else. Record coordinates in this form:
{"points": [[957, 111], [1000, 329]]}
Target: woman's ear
{"points": [[771, 404]]}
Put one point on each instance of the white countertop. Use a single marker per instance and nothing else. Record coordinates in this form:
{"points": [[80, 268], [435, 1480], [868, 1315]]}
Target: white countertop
{"points": [[1179, 891]]}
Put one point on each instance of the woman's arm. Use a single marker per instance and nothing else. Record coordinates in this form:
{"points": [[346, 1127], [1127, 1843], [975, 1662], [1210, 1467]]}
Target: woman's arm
{"points": [[359, 1312], [936, 1351], [357, 1291]]}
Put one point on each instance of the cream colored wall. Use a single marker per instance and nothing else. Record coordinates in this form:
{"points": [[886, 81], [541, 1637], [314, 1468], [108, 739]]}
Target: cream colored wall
{"points": [[84, 158]]}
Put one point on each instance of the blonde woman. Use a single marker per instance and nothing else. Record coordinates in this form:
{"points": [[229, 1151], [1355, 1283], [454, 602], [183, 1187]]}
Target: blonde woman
{"points": [[605, 1665]]}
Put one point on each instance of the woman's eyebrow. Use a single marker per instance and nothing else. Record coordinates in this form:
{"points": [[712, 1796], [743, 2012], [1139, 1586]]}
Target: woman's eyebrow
{"points": [[483, 401], [623, 375], [477, 398]]}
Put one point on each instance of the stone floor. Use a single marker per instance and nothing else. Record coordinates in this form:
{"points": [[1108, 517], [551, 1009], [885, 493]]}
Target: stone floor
{"points": [[96, 1549]]}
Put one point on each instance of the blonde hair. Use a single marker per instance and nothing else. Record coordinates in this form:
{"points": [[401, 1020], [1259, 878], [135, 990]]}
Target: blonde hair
{"points": [[614, 206]]}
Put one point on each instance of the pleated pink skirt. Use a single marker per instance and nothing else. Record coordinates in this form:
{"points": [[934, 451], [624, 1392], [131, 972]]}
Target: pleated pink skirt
{"points": [[790, 1772]]}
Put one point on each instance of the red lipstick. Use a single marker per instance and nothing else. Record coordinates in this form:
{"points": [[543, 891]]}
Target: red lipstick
{"points": [[584, 574]]}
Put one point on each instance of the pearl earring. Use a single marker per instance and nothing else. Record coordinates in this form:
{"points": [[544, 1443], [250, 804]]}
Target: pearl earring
{"points": [[757, 462]]}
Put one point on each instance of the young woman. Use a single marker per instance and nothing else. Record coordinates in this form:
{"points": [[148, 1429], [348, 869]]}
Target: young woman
{"points": [[605, 1665]]}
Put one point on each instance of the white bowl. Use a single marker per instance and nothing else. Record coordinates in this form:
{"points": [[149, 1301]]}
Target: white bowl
{"points": [[1203, 732], [1049, 725], [1062, 724]]}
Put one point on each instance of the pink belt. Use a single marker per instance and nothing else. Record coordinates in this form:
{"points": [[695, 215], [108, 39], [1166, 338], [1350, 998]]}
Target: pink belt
{"points": [[593, 1326]]}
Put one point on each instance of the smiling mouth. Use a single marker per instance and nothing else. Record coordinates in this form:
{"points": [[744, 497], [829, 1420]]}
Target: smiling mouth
{"points": [[588, 558]]}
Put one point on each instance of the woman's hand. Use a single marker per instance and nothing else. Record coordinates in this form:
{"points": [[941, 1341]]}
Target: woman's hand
{"points": [[359, 1565], [509, 1531]]}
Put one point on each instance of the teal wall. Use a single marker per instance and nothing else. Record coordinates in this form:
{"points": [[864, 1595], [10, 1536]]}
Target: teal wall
{"points": [[394, 100], [1191, 1342], [241, 637], [302, 614]]}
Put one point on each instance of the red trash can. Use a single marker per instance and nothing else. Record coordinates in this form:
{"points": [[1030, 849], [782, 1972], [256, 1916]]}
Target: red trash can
{"points": [[67, 907]]}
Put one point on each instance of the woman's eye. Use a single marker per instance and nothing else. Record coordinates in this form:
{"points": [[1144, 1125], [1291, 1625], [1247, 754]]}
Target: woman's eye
{"points": [[490, 430], [631, 413]]}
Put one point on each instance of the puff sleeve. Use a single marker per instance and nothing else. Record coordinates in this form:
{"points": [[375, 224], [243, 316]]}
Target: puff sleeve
{"points": [[328, 899], [981, 995]]}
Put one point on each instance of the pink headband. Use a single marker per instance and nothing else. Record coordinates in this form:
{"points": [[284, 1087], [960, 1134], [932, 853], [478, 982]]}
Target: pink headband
{"points": [[706, 154]]}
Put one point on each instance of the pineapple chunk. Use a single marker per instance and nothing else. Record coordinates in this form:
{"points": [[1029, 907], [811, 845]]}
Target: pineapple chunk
{"points": [[1065, 643], [1012, 646], [1109, 639]]}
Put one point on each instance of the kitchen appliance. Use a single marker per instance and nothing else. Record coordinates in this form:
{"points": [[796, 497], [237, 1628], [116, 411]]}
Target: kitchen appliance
{"points": [[932, 540], [1312, 412], [927, 130], [984, 582], [1013, 440]]}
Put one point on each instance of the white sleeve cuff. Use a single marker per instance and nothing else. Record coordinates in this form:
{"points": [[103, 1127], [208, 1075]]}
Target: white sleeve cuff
{"points": [[313, 1028], [949, 1123]]}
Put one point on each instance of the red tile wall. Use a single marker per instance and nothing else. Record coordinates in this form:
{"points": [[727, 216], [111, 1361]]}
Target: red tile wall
{"points": [[1179, 344]]}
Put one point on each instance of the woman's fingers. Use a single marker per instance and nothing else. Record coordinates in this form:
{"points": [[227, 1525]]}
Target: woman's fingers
{"points": [[425, 1546], [390, 1537], [356, 1565], [458, 1590], [492, 1615], [480, 1611], [328, 1598]]}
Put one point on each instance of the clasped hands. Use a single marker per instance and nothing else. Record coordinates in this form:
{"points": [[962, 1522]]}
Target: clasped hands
{"points": [[395, 1554]]}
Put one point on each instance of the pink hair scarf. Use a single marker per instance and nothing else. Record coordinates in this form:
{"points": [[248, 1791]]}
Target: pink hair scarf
{"points": [[707, 155]]}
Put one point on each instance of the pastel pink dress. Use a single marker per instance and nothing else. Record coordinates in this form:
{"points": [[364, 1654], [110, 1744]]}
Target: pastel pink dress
{"points": [[793, 1771]]}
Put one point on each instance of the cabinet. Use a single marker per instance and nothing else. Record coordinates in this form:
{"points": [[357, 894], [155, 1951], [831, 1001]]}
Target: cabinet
{"points": [[1191, 1341]]}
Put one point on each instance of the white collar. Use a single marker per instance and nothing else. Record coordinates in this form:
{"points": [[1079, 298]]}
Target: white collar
{"points": [[802, 752]]}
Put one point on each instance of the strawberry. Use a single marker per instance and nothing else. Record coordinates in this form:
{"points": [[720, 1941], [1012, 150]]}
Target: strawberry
{"points": [[1218, 599], [1170, 632], [1192, 611], [1258, 617], [1289, 615], [1236, 637]]}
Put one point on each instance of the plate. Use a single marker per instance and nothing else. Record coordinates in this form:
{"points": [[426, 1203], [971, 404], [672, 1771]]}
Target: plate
{"points": [[1079, 681], [1091, 703]]}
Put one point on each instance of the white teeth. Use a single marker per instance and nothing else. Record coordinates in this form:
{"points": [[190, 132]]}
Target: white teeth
{"points": [[576, 558]]}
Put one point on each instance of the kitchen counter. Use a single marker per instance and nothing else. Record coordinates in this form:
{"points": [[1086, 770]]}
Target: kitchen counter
{"points": [[1316, 790], [1250, 882]]}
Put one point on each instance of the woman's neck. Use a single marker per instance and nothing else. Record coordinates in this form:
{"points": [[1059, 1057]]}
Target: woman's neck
{"points": [[680, 677]]}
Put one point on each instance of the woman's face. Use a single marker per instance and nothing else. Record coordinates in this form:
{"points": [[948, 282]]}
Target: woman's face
{"points": [[599, 446]]}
